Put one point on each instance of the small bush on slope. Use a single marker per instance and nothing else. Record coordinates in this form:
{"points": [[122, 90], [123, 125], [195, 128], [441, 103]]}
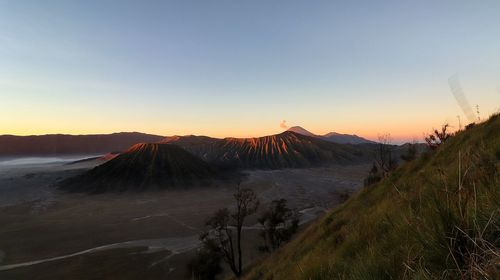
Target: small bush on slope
{"points": [[422, 222]]}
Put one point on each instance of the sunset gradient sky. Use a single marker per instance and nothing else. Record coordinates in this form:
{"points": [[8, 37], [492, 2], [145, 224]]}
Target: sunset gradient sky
{"points": [[238, 68]]}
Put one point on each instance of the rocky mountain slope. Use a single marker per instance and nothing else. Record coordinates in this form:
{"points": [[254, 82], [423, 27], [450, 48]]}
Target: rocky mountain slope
{"points": [[284, 150], [145, 166]]}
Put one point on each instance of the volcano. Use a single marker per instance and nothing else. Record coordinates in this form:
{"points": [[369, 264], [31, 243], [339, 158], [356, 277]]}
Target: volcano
{"points": [[301, 130], [284, 150], [144, 166], [180, 161]]}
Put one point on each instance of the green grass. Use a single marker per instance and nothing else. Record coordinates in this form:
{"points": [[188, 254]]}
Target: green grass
{"points": [[416, 224]]}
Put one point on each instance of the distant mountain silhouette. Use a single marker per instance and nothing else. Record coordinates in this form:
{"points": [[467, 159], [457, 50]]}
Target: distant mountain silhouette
{"points": [[51, 144], [71, 144], [144, 166], [346, 138], [332, 136], [284, 150]]}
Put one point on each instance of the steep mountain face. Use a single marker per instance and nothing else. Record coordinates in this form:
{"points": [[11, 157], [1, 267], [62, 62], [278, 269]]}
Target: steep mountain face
{"points": [[429, 219], [201, 146], [71, 144], [333, 136], [345, 138], [285, 150], [144, 166]]}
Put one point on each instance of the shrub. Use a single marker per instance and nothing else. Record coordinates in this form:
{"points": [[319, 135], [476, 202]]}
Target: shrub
{"points": [[279, 223], [206, 264]]}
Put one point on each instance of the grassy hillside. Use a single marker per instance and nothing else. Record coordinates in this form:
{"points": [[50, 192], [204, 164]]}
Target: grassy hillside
{"points": [[422, 222]]}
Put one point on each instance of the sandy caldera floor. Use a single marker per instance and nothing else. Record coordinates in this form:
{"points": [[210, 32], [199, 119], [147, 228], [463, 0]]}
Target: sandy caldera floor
{"points": [[48, 234]]}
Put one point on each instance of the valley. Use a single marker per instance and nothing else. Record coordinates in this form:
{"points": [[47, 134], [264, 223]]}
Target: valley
{"points": [[50, 228]]}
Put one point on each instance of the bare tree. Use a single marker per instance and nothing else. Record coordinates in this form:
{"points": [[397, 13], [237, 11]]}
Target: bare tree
{"points": [[220, 236], [383, 155], [246, 204]]}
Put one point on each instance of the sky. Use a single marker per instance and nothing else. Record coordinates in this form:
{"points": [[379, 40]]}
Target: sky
{"points": [[239, 68]]}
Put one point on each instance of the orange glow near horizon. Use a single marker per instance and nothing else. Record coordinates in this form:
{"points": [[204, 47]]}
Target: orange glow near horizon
{"points": [[398, 132], [403, 123]]}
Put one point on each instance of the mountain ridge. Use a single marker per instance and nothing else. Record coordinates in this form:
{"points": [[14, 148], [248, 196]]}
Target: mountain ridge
{"points": [[50, 144], [11, 145]]}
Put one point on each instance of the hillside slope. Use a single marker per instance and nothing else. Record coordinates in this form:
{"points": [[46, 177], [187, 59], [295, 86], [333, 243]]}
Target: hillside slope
{"points": [[284, 150], [422, 222], [144, 166]]}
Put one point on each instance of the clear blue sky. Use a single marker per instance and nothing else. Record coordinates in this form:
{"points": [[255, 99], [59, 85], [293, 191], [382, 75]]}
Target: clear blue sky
{"points": [[238, 68]]}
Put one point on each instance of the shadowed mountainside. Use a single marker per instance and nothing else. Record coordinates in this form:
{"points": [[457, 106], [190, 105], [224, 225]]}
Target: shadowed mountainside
{"points": [[71, 144], [284, 150], [144, 166]]}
